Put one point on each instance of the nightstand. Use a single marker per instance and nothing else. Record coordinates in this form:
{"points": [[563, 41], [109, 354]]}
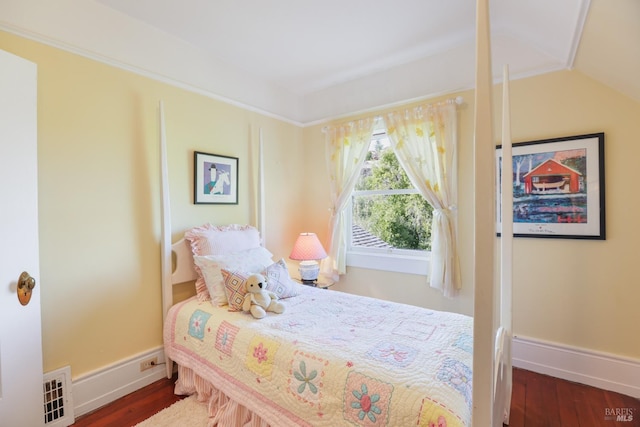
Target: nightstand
{"points": [[320, 283]]}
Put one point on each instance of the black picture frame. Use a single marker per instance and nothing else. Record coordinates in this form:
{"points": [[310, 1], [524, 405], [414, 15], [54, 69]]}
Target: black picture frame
{"points": [[215, 179], [559, 188]]}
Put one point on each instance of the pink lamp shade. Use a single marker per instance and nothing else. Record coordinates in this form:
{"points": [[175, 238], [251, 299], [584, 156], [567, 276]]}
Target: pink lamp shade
{"points": [[308, 250], [307, 247]]}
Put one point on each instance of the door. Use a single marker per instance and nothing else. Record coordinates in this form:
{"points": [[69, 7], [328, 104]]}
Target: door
{"points": [[21, 396]]}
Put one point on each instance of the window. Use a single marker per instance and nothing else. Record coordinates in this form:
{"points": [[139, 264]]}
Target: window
{"points": [[390, 221]]}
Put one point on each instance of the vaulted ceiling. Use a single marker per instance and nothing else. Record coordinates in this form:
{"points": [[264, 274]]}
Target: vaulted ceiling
{"points": [[306, 61]]}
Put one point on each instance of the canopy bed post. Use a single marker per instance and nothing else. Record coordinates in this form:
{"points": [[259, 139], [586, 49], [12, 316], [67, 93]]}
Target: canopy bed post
{"points": [[503, 374], [261, 199], [165, 238], [484, 183]]}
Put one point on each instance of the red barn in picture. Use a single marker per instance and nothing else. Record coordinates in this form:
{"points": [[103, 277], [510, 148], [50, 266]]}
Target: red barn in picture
{"points": [[552, 176]]}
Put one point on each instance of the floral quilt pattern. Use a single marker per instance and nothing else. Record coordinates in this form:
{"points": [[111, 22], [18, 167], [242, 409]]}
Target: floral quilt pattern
{"points": [[306, 378], [396, 354], [366, 400], [197, 324], [458, 376], [261, 355], [332, 359], [225, 337]]}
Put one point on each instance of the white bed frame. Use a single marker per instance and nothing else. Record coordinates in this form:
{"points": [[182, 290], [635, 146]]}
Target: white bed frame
{"points": [[492, 382]]}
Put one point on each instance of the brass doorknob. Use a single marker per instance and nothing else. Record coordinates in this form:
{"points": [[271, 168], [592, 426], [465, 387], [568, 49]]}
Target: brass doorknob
{"points": [[26, 283]]}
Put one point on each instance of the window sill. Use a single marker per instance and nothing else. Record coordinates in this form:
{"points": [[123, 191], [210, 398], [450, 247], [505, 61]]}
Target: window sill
{"points": [[390, 262]]}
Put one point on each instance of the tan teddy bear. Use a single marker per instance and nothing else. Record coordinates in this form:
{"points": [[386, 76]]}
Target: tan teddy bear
{"points": [[258, 300]]}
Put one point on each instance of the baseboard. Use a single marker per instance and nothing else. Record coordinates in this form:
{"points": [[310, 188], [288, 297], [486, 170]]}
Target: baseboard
{"points": [[602, 370], [98, 388]]}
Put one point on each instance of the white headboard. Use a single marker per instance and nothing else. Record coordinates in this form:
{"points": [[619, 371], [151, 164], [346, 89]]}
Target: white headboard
{"points": [[183, 271]]}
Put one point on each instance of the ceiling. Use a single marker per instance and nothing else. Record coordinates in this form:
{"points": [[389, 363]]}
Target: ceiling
{"points": [[306, 46], [306, 61]]}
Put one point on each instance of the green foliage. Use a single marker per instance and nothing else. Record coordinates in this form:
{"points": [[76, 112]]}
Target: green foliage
{"points": [[402, 220]]}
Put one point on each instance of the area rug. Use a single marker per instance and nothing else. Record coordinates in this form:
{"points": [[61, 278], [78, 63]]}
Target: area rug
{"points": [[186, 412]]}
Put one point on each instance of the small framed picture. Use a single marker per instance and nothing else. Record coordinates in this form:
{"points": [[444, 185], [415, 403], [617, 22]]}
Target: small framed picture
{"points": [[558, 188], [215, 179]]}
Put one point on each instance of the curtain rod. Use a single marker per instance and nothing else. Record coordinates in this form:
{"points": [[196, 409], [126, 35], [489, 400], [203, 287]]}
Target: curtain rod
{"points": [[458, 100]]}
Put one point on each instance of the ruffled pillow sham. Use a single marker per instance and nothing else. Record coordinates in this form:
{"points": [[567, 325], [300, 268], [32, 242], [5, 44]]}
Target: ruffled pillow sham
{"points": [[219, 240]]}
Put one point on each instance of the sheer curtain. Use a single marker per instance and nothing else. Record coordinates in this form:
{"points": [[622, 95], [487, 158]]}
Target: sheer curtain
{"points": [[424, 140], [346, 149]]}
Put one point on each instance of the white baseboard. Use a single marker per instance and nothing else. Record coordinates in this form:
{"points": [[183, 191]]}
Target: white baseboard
{"points": [[602, 370], [96, 389]]}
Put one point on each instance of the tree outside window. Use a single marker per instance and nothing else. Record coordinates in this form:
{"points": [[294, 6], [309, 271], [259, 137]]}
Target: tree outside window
{"points": [[387, 211]]}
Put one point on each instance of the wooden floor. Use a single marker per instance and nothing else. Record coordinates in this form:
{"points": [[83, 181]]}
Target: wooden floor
{"points": [[132, 408], [538, 401]]}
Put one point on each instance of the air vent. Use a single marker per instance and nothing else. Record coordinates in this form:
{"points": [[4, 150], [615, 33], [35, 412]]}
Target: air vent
{"points": [[58, 401]]}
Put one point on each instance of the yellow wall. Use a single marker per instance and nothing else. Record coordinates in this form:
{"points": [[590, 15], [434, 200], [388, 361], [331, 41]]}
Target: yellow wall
{"points": [[99, 207], [579, 293], [99, 197]]}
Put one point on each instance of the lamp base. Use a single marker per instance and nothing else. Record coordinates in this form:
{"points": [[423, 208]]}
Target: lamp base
{"points": [[309, 271]]}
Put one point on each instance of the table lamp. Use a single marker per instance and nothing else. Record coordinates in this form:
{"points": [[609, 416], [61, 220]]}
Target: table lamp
{"points": [[308, 250]]}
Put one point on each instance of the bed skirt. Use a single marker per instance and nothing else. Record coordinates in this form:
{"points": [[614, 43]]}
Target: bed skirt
{"points": [[222, 410]]}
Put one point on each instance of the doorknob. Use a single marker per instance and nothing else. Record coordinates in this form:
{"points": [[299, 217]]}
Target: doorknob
{"points": [[26, 283]]}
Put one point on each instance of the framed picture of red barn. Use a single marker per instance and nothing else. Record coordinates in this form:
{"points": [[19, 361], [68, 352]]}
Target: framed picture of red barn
{"points": [[558, 187]]}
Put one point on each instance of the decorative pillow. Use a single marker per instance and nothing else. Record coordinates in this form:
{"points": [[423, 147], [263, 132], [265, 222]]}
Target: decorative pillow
{"points": [[234, 288], [279, 282], [251, 260], [219, 240]]}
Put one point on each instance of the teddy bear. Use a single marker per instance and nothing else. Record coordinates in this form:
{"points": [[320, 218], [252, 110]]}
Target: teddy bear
{"points": [[258, 300]]}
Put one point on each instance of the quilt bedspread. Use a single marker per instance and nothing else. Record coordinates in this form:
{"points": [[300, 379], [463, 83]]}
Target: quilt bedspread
{"points": [[332, 359]]}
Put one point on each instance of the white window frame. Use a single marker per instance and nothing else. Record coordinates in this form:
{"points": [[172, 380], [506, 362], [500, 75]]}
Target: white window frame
{"points": [[387, 259]]}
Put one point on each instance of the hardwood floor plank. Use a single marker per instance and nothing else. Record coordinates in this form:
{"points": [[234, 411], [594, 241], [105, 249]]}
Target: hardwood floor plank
{"points": [[571, 405], [549, 400], [518, 399], [535, 414], [591, 411], [133, 408]]}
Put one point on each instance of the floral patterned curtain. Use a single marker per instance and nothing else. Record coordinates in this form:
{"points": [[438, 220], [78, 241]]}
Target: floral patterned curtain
{"points": [[346, 148], [424, 140]]}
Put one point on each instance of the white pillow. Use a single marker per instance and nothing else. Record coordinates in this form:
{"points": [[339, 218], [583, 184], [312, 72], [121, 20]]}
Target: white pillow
{"points": [[251, 260], [219, 240]]}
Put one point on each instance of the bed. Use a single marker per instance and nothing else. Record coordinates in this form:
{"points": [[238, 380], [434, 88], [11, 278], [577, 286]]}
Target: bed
{"points": [[330, 359], [333, 358]]}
